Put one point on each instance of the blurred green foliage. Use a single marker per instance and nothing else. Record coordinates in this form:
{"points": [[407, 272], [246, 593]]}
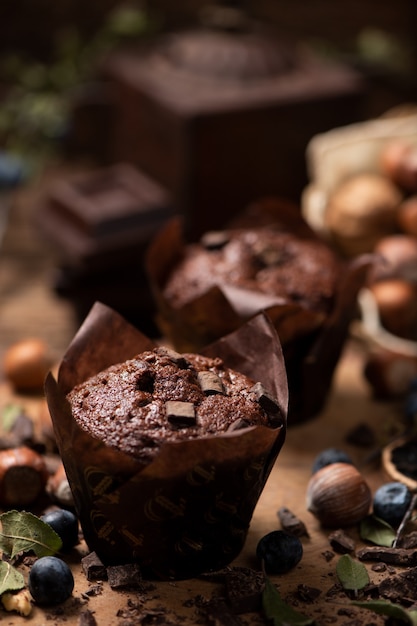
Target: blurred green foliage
{"points": [[34, 110]]}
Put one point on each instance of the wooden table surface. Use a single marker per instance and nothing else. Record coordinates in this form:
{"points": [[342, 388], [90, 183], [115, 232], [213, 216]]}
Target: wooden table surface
{"points": [[29, 307]]}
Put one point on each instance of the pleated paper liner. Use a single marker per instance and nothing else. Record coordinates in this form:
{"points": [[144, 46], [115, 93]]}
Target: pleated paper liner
{"points": [[189, 510]]}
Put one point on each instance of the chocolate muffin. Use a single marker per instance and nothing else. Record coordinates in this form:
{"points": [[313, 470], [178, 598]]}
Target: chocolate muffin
{"points": [[269, 259], [265, 260], [167, 453], [162, 396]]}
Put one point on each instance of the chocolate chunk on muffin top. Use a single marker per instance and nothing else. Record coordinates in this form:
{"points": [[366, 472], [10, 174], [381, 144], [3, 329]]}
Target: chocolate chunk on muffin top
{"points": [[161, 395]]}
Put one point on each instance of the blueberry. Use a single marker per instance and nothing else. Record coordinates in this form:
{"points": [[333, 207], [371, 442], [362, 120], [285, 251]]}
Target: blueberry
{"points": [[50, 580], [391, 502], [280, 551], [329, 456], [65, 524]]}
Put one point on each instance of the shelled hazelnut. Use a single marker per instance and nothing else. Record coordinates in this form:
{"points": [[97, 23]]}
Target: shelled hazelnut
{"points": [[26, 364], [407, 215], [397, 254], [389, 374], [361, 210], [23, 476], [398, 161], [396, 300]]}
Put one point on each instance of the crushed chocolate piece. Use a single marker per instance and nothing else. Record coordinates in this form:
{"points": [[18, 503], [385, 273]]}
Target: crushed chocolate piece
{"points": [[341, 542], [408, 541], [86, 618], [379, 567], [94, 590], [217, 613], [307, 594], [210, 383], [124, 576], [244, 587], [265, 399], [291, 523], [328, 555], [180, 413], [214, 239], [393, 556], [238, 425], [401, 588], [93, 567]]}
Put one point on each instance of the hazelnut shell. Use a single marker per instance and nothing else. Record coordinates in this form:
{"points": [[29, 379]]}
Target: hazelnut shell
{"points": [[338, 496], [360, 211]]}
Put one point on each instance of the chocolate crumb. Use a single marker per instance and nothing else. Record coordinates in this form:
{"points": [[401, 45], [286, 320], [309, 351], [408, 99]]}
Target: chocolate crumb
{"points": [[244, 587], [393, 556], [341, 542], [124, 576], [210, 383], [94, 590], [291, 523], [307, 594], [87, 618], [217, 613], [93, 568], [379, 567], [328, 555], [401, 588], [408, 541], [180, 413]]}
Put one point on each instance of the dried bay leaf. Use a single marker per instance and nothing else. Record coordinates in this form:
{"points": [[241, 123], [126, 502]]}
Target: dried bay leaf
{"points": [[24, 532], [352, 575], [280, 613]]}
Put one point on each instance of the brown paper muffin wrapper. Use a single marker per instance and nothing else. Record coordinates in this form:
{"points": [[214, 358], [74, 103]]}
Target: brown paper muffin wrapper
{"points": [[188, 511], [312, 342]]}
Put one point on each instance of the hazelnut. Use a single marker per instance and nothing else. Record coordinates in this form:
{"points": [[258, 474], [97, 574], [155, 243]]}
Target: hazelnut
{"points": [[26, 364], [398, 160], [23, 476], [398, 254], [58, 487], [338, 495], [362, 210], [407, 216], [396, 300], [389, 374]]}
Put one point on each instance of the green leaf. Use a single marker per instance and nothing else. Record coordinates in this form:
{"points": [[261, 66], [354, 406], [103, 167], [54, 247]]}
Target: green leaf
{"points": [[278, 611], [8, 416], [377, 531], [24, 532], [352, 574], [384, 607], [10, 578]]}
